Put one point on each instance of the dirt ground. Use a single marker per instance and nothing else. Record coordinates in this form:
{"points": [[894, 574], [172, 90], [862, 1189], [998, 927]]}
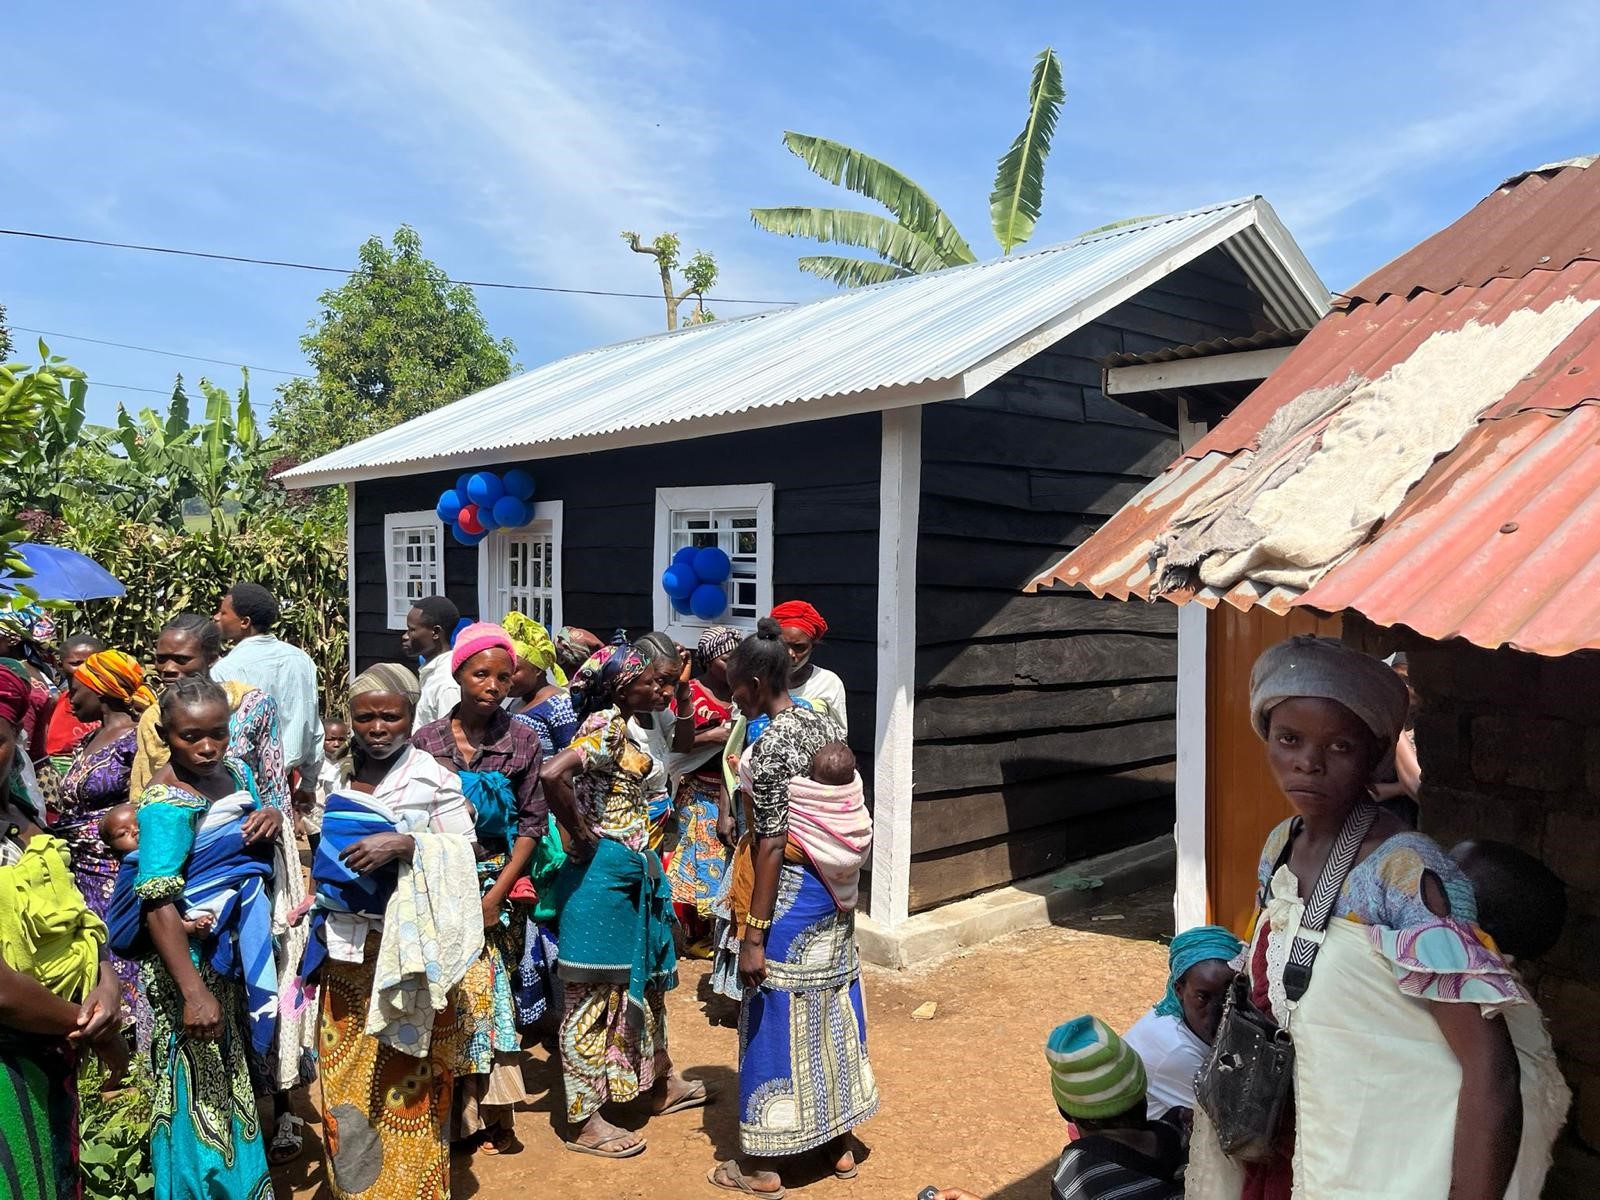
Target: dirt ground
{"points": [[966, 1097]]}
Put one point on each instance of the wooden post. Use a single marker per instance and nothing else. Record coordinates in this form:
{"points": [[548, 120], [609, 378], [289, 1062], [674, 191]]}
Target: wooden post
{"points": [[1189, 903], [899, 502]]}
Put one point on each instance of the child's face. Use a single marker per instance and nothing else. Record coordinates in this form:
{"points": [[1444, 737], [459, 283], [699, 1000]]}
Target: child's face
{"points": [[121, 831], [197, 735], [335, 737]]}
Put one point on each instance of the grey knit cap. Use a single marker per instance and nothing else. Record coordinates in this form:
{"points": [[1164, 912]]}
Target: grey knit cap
{"points": [[1328, 669]]}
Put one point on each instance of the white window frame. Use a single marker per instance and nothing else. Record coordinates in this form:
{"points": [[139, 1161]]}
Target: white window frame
{"points": [[432, 581], [758, 496], [545, 513]]}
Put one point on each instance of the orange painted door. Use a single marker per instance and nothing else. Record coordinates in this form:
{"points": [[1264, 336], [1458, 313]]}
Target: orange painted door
{"points": [[1242, 801]]}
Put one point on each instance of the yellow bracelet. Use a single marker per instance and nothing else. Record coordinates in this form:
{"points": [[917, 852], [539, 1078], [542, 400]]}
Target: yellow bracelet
{"points": [[757, 923]]}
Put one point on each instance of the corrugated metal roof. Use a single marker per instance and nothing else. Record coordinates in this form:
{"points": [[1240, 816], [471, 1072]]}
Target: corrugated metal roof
{"points": [[875, 343], [1543, 220], [1498, 543]]}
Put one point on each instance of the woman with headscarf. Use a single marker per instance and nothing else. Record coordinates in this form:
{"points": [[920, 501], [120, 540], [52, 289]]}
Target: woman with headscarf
{"points": [[805, 1080], [803, 630], [108, 689], [573, 648], [1174, 1038], [26, 637], [497, 760], [58, 993], [1408, 1032], [617, 957], [539, 689], [703, 839], [398, 826]]}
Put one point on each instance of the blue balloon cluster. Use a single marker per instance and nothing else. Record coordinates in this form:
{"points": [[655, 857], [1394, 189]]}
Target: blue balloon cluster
{"points": [[482, 501], [694, 582]]}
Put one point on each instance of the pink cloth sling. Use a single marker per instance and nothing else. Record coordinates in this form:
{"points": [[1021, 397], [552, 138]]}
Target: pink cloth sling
{"points": [[832, 826]]}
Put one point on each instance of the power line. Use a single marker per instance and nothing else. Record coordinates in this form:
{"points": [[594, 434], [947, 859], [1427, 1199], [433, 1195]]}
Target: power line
{"points": [[128, 387], [297, 266], [221, 362]]}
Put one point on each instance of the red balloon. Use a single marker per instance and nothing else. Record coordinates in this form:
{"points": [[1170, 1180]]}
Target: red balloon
{"points": [[468, 520]]}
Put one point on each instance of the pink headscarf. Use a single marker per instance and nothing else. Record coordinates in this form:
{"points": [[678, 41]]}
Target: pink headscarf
{"points": [[475, 639]]}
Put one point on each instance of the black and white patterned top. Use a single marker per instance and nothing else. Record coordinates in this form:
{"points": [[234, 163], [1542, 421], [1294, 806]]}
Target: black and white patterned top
{"points": [[784, 750]]}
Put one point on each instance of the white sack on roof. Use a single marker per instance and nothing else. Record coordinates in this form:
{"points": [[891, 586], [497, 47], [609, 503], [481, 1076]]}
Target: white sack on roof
{"points": [[1335, 462]]}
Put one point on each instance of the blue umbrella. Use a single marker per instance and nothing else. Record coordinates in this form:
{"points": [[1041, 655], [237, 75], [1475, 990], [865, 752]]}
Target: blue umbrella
{"points": [[62, 574]]}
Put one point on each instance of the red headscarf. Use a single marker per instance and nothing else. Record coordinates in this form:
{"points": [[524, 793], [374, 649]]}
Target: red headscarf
{"points": [[800, 615]]}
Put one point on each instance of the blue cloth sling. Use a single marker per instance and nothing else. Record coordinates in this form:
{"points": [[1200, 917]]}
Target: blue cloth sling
{"points": [[494, 807], [348, 818], [239, 945]]}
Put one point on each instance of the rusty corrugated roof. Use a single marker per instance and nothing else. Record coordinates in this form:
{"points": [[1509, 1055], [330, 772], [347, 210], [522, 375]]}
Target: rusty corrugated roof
{"points": [[1543, 220], [1499, 541]]}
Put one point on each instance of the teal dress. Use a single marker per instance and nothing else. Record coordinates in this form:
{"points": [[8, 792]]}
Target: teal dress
{"points": [[205, 1136]]}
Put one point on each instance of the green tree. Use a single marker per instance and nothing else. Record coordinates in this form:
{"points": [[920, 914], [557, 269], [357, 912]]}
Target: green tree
{"points": [[5, 336], [38, 472], [920, 237], [396, 340], [699, 275]]}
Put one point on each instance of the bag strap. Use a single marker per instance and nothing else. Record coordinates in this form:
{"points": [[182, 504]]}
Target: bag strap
{"points": [[1319, 909]]}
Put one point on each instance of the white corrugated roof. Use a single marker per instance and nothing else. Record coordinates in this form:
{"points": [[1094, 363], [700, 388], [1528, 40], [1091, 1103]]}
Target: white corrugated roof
{"points": [[928, 337]]}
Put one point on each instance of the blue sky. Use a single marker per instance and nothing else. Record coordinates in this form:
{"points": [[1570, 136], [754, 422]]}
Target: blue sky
{"points": [[519, 138]]}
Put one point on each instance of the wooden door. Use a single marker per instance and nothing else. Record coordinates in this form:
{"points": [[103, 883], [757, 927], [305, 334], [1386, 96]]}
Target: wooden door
{"points": [[1242, 801]]}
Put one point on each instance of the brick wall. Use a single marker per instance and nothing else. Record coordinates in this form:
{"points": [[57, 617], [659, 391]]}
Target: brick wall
{"points": [[1510, 750]]}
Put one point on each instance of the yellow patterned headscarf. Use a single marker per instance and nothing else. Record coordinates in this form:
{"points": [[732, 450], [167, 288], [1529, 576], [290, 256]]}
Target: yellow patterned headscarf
{"points": [[533, 644], [118, 676]]}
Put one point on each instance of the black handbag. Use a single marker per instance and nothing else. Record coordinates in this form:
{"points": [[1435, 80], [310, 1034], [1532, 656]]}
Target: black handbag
{"points": [[1248, 1079]]}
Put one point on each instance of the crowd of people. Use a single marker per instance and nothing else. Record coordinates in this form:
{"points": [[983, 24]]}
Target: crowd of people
{"points": [[510, 835], [516, 835]]}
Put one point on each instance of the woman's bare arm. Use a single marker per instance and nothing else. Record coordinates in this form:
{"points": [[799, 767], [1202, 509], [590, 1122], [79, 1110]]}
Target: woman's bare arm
{"points": [[1489, 1113]]}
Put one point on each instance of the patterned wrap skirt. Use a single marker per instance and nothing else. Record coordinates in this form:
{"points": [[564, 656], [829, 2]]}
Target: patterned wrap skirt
{"points": [[38, 1118], [804, 1075], [700, 860], [386, 1115]]}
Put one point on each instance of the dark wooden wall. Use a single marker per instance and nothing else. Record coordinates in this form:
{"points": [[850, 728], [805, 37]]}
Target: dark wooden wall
{"points": [[1045, 724], [825, 543]]}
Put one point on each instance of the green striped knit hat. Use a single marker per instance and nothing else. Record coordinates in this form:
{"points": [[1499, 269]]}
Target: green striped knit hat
{"points": [[1093, 1072]]}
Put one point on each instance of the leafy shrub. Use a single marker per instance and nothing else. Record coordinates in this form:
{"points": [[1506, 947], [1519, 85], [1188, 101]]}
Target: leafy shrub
{"points": [[114, 1134]]}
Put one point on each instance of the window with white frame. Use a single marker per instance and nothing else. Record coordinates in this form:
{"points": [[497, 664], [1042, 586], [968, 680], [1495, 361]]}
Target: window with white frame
{"points": [[737, 518], [413, 545], [519, 570]]}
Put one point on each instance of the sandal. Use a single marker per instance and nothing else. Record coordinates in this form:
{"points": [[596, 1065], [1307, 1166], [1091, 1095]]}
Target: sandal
{"points": [[696, 1097], [832, 1161], [736, 1182], [286, 1139], [599, 1148], [502, 1139]]}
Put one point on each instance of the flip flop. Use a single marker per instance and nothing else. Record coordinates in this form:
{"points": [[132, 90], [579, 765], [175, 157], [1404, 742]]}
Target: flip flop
{"points": [[599, 1150], [739, 1182], [698, 1098], [829, 1159]]}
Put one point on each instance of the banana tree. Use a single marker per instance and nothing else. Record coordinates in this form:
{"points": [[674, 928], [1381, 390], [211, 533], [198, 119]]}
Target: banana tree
{"points": [[920, 237]]}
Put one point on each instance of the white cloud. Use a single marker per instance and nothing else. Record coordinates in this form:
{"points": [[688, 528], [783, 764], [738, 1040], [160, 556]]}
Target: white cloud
{"points": [[553, 128]]}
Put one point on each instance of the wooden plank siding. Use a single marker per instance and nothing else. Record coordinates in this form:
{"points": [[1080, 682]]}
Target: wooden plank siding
{"points": [[825, 520], [1045, 724]]}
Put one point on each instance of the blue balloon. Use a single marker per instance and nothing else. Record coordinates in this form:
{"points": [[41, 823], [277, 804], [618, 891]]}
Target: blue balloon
{"points": [[460, 625], [708, 602], [461, 485], [510, 512], [449, 507], [518, 483], [680, 604], [468, 539], [486, 517], [685, 557], [678, 582], [485, 489], [711, 565]]}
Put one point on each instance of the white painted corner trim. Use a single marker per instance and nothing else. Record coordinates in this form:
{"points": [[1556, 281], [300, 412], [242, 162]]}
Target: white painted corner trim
{"points": [[899, 504], [1189, 901]]}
